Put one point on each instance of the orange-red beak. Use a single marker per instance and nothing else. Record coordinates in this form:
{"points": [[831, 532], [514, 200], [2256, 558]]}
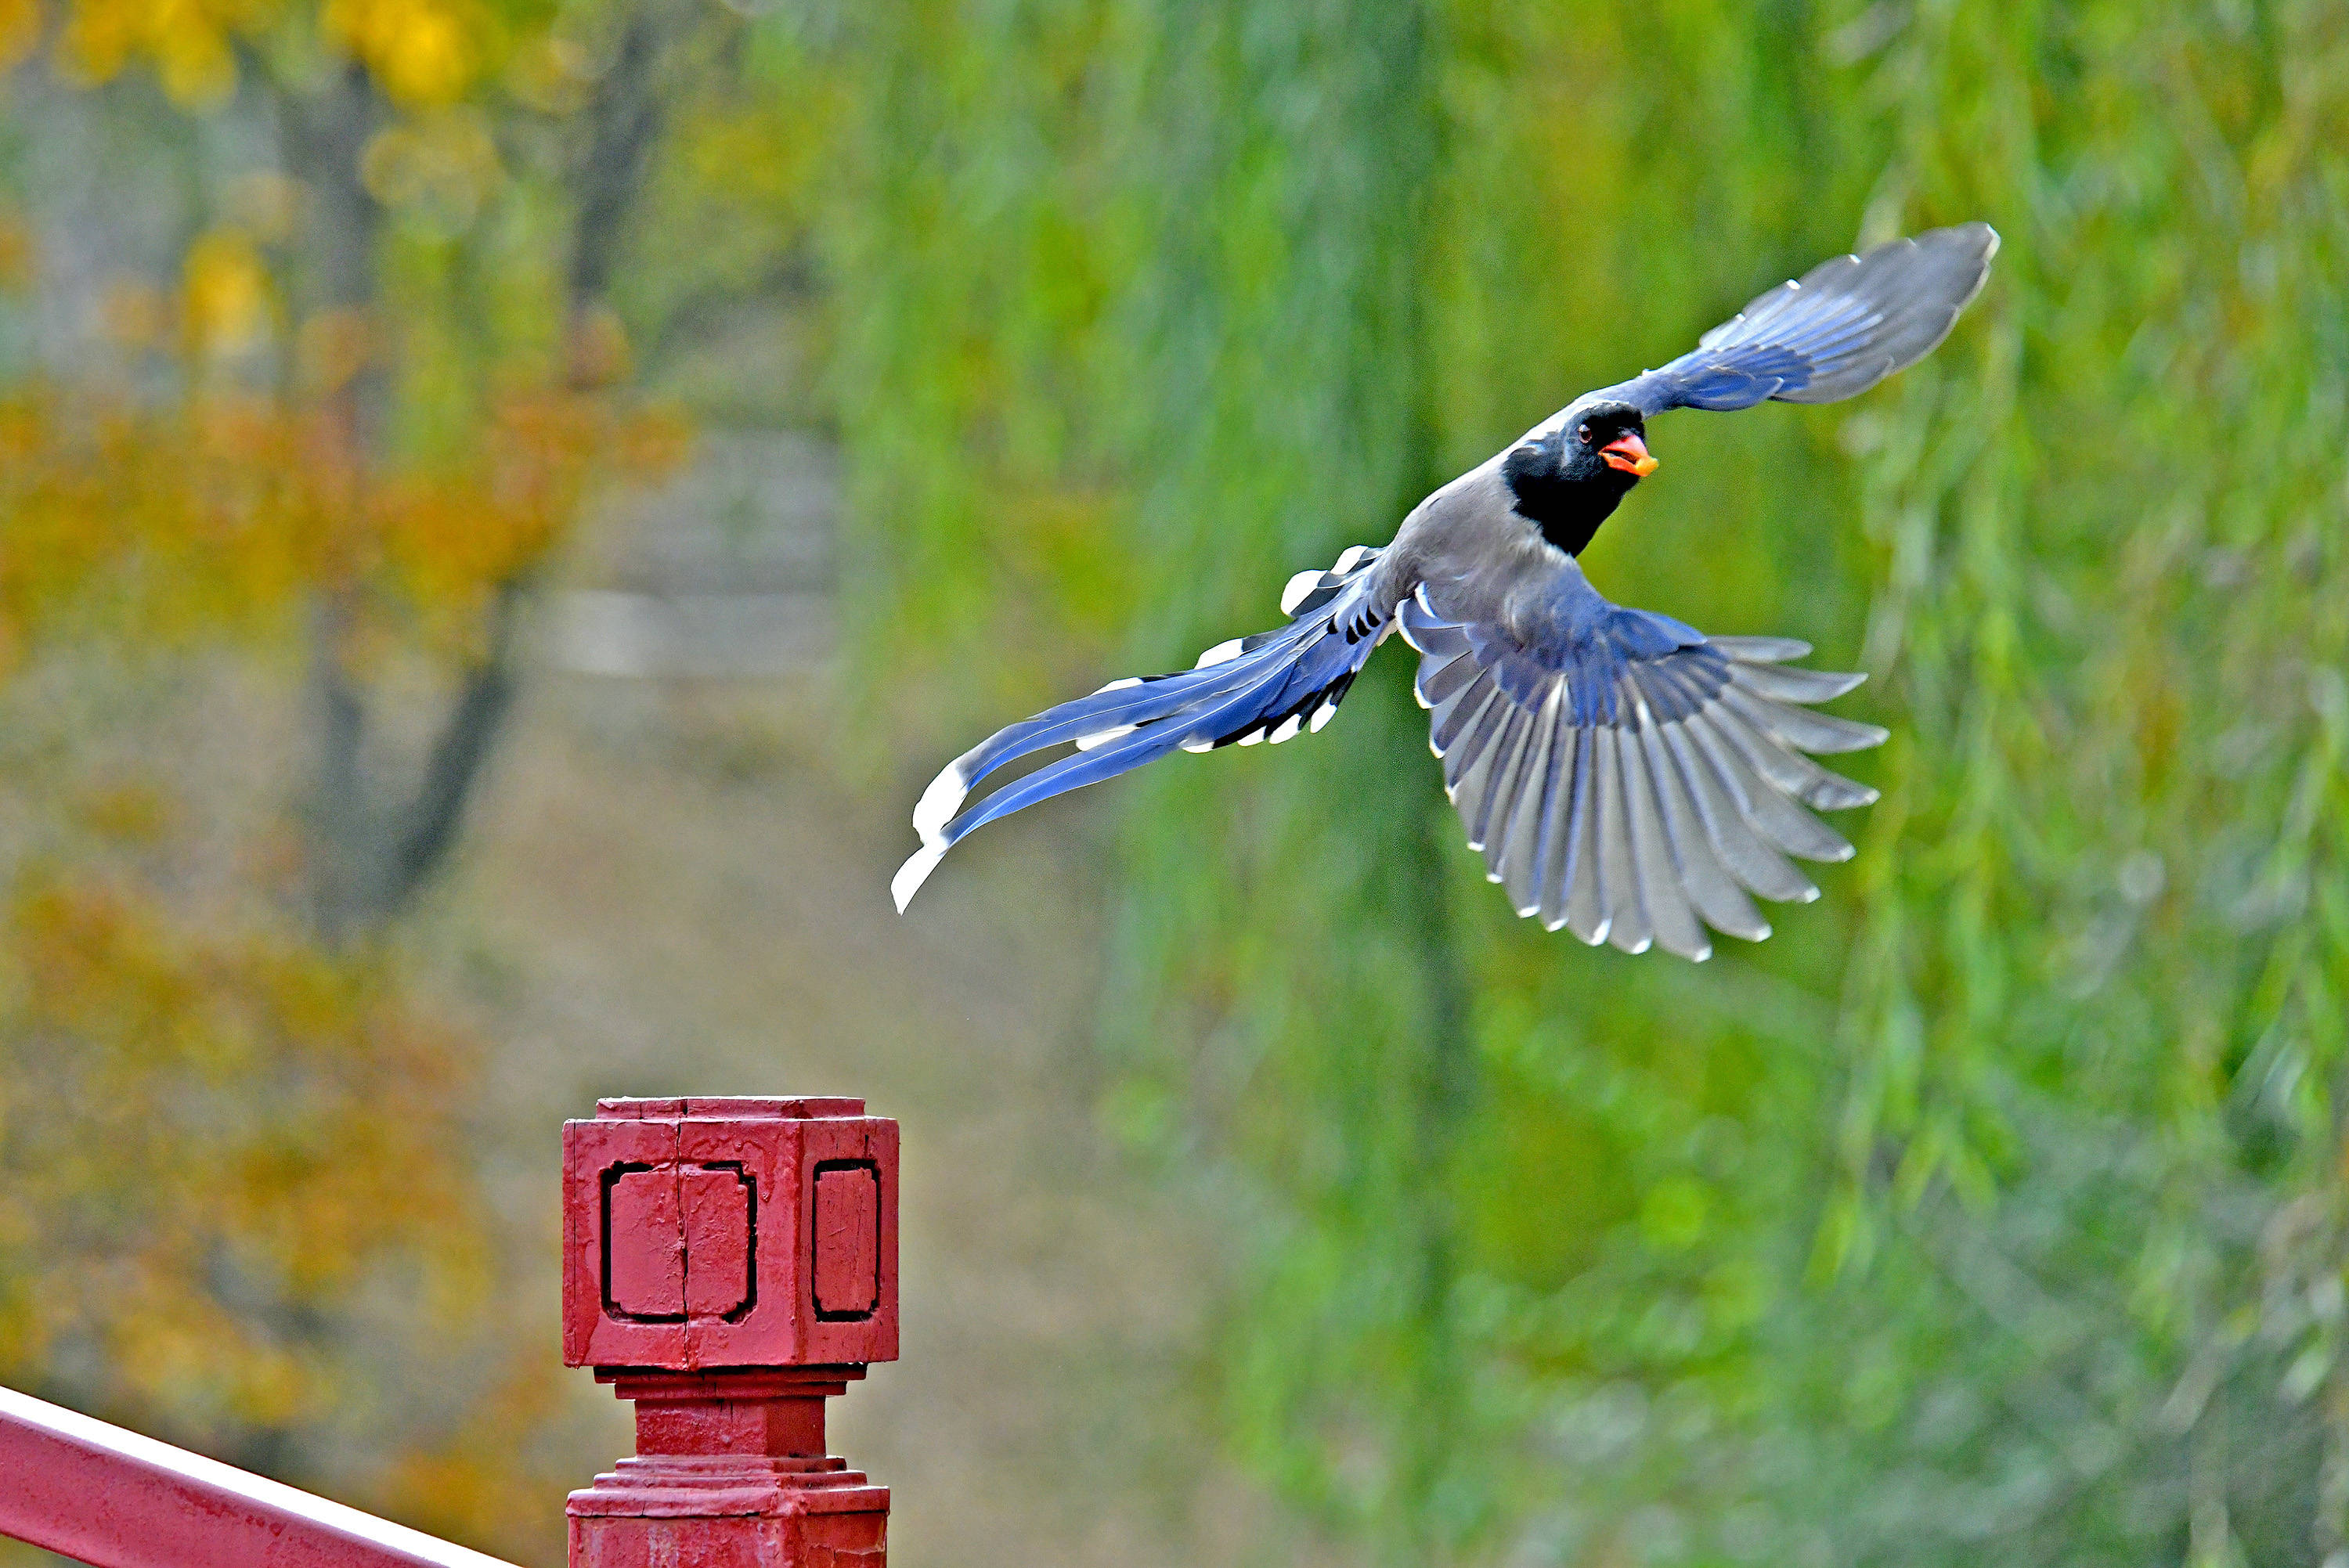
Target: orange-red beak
{"points": [[1630, 454]]}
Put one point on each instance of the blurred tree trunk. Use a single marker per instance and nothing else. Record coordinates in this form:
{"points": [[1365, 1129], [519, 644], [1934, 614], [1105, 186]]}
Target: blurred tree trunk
{"points": [[622, 124], [375, 845]]}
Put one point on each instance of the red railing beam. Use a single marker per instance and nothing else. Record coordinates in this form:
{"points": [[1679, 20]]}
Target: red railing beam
{"points": [[102, 1495]]}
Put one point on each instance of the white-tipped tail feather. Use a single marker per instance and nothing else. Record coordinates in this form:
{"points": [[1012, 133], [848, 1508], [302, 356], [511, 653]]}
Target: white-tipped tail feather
{"points": [[915, 873], [938, 806]]}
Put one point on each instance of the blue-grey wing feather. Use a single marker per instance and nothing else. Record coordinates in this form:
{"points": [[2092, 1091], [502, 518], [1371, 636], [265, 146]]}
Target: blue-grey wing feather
{"points": [[1839, 330]]}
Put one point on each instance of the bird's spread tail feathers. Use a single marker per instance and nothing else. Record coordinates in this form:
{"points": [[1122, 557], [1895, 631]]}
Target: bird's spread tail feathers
{"points": [[1268, 686]]}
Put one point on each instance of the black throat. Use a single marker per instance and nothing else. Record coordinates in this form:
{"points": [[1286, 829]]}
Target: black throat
{"points": [[1568, 509]]}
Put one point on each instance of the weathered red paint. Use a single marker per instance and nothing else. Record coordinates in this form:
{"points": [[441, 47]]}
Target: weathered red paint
{"points": [[729, 1266], [100, 1494]]}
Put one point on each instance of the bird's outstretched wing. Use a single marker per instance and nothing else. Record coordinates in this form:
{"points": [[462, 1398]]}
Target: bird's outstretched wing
{"points": [[1844, 327], [1624, 775]]}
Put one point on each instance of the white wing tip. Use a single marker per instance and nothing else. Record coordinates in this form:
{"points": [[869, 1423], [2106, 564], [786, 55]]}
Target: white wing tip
{"points": [[913, 874], [1302, 584], [1104, 737], [1321, 715], [938, 804], [1352, 558], [1222, 653], [1121, 685]]}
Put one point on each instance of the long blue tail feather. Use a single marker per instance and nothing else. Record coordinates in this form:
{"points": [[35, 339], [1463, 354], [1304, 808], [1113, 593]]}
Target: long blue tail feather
{"points": [[1266, 687], [1155, 697], [1147, 743]]}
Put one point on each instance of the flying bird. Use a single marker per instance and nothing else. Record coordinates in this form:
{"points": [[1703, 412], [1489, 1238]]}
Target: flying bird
{"points": [[1626, 776]]}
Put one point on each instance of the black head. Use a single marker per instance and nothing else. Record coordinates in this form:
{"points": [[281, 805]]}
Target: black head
{"points": [[1569, 480]]}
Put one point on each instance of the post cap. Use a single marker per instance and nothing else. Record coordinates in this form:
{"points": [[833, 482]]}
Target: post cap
{"points": [[743, 1107], [701, 1233]]}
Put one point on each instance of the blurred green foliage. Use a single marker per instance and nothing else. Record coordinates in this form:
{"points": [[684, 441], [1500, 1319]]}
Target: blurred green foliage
{"points": [[1994, 1208]]}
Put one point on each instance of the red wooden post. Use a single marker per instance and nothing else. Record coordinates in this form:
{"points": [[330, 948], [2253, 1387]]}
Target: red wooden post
{"points": [[730, 1264]]}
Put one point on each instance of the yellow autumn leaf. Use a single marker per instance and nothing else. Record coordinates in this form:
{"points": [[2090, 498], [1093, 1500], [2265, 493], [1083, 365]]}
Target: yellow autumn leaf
{"points": [[191, 42], [224, 294], [421, 51], [20, 30]]}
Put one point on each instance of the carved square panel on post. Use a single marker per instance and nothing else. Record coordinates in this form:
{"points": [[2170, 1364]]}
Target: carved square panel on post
{"points": [[728, 1265], [730, 1232]]}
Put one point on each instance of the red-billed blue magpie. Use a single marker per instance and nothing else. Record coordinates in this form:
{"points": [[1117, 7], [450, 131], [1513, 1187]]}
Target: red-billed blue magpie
{"points": [[1626, 776]]}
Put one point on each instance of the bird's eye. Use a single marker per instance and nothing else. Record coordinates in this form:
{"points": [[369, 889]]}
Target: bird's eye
{"points": [[1582, 434]]}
